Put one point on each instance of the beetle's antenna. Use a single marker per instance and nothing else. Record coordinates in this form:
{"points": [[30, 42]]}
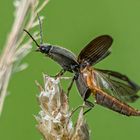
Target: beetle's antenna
{"points": [[40, 26], [31, 37]]}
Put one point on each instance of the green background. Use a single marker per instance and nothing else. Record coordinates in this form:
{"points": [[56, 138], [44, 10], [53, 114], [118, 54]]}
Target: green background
{"points": [[72, 24]]}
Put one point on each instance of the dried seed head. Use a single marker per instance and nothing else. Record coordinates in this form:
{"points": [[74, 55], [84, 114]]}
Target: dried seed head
{"points": [[54, 119], [81, 129]]}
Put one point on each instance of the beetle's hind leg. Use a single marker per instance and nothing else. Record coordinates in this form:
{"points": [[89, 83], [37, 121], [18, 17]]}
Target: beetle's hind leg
{"points": [[85, 105], [90, 106]]}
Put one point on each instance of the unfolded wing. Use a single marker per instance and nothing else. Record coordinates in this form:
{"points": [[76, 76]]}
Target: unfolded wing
{"points": [[117, 85]]}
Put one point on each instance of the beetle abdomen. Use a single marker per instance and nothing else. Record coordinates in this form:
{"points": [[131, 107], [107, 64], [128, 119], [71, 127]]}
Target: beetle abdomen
{"points": [[115, 105]]}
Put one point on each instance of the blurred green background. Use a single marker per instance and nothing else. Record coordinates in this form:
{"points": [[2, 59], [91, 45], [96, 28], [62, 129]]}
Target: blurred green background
{"points": [[72, 24]]}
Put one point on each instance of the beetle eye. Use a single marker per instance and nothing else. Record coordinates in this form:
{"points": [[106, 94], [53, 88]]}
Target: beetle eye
{"points": [[45, 49]]}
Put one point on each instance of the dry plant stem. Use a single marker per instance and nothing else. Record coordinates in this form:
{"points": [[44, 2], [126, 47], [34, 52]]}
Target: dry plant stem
{"points": [[14, 40], [5, 61], [33, 16]]}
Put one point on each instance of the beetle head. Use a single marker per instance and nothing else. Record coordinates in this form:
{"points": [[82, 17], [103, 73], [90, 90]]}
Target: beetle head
{"points": [[44, 48]]}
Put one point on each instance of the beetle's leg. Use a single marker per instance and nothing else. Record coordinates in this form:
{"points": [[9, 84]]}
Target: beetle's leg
{"points": [[90, 106], [74, 110], [85, 105], [60, 73], [70, 86]]}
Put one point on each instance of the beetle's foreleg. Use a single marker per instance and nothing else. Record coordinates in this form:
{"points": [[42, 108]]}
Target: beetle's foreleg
{"points": [[60, 73]]}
